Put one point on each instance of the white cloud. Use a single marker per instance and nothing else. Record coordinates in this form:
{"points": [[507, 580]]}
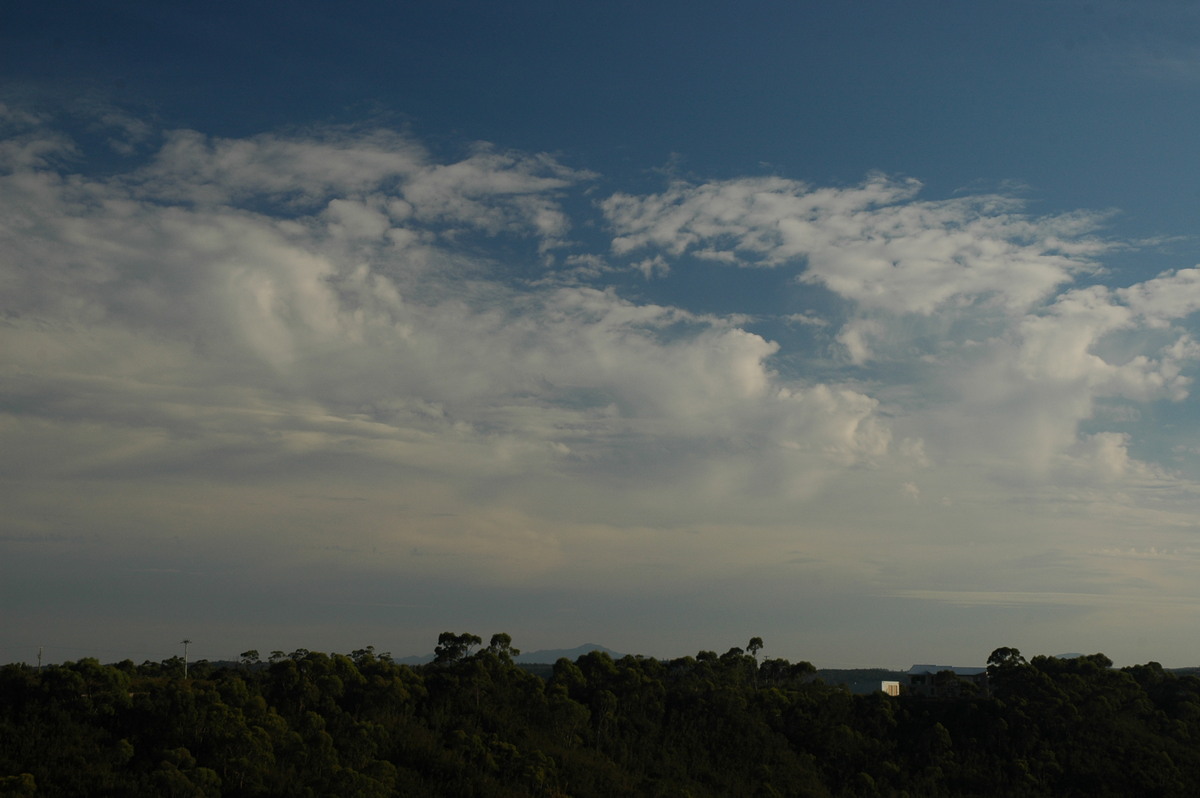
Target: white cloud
{"points": [[856, 337], [652, 267], [34, 151], [1172, 295], [352, 297], [807, 319], [259, 306], [310, 340], [966, 302], [488, 191], [1062, 347], [874, 244]]}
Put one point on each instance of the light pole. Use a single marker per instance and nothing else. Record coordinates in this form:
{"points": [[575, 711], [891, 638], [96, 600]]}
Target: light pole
{"points": [[185, 642]]}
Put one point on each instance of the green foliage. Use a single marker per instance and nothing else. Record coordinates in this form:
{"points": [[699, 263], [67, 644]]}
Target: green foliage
{"points": [[315, 724], [452, 647]]}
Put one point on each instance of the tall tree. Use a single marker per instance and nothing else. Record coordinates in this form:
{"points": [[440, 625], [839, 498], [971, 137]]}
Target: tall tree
{"points": [[452, 647], [501, 645]]}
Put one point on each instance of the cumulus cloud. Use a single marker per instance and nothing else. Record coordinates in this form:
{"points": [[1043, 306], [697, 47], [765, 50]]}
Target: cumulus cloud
{"points": [[968, 304], [1062, 344], [333, 347], [274, 307]]}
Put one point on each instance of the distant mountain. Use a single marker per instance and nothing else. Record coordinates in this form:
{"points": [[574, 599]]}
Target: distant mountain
{"points": [[552, 655], [547, 656], [415, 660]]}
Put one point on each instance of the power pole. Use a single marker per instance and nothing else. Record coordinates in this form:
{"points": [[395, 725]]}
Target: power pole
{"points": [[186, 643]]}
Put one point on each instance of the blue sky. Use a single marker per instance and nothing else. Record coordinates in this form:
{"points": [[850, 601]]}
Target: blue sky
{"points": [[867, 328]]}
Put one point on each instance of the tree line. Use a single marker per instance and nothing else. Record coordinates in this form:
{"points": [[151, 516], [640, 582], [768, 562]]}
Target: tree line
{"points": [[473, 723]]}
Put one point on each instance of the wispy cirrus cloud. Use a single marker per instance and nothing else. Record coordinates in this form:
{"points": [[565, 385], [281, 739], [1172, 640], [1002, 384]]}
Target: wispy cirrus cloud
{"points": [[875, 244]]}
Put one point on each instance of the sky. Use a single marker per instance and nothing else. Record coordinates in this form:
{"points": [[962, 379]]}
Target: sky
{"points": [[867, 328]]}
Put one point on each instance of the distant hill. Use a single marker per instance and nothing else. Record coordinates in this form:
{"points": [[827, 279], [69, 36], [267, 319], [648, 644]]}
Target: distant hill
{"points": [[415, 660], [552, 655]]}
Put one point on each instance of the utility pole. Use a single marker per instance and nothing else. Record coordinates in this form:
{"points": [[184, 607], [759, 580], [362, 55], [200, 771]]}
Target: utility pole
{"points": [[186, 643]]}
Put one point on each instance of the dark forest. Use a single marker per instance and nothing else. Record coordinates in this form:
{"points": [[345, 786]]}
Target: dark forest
{"points": [[474, 723]]}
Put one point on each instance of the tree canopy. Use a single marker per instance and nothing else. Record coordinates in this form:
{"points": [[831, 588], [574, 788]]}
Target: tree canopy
{"points": [[474, 723]]}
